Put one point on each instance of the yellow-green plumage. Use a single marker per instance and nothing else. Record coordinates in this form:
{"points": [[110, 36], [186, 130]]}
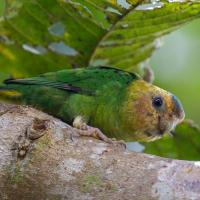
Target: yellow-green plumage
{"points": [[117, 102]]}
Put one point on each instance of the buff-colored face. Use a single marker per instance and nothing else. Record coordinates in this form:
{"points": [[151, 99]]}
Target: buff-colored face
{"points": [[154, 111]]}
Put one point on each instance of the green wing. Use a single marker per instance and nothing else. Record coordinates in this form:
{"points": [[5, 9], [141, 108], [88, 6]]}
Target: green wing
{"points": [[85, 81], [69, 93]]}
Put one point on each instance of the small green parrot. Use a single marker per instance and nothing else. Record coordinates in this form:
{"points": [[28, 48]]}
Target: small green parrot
{"points": [[119, 103]]}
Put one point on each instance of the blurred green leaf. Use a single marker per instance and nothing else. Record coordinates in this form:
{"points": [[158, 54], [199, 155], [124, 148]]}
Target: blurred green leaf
{"points": [[37, 36], [133, 39], [185, 144], [2, 6]]}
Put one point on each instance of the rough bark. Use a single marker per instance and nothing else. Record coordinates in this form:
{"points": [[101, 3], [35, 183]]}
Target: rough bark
{"points": [[43, 158]]}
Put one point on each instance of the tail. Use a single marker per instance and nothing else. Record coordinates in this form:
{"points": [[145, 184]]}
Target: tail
{"points": [[7, 93]]}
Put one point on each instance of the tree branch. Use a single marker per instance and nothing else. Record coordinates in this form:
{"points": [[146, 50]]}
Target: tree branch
{"points": [[43, 158]]}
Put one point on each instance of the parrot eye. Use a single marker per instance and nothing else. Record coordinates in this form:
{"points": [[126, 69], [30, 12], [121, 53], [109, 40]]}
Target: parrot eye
{"points": [[157, 102]]}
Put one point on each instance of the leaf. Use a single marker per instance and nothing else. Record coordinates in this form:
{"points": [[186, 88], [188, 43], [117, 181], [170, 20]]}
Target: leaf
{"points": [[37, 36], [185, 144], [2, 5], [133, 38]]}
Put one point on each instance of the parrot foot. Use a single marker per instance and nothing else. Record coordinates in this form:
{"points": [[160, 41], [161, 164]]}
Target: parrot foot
{"points": [[84, 130]]}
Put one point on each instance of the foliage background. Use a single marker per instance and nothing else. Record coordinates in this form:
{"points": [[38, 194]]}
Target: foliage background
{"points": [[175, 64]]}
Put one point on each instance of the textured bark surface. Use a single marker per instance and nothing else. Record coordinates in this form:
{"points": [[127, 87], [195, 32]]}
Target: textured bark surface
{"points": [[43, 158]]}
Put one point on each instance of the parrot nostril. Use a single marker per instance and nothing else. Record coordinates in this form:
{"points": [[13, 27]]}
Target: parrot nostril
{"points": [[178, 110]]}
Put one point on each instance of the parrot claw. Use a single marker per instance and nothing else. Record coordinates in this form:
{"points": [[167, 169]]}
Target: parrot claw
{"points": [[84, 130]]}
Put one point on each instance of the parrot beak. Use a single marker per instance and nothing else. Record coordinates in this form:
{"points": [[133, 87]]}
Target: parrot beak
{"points": [[178, 110]]}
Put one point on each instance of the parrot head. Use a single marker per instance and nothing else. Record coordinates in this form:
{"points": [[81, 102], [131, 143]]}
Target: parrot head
{"points": [[151, 111]]}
